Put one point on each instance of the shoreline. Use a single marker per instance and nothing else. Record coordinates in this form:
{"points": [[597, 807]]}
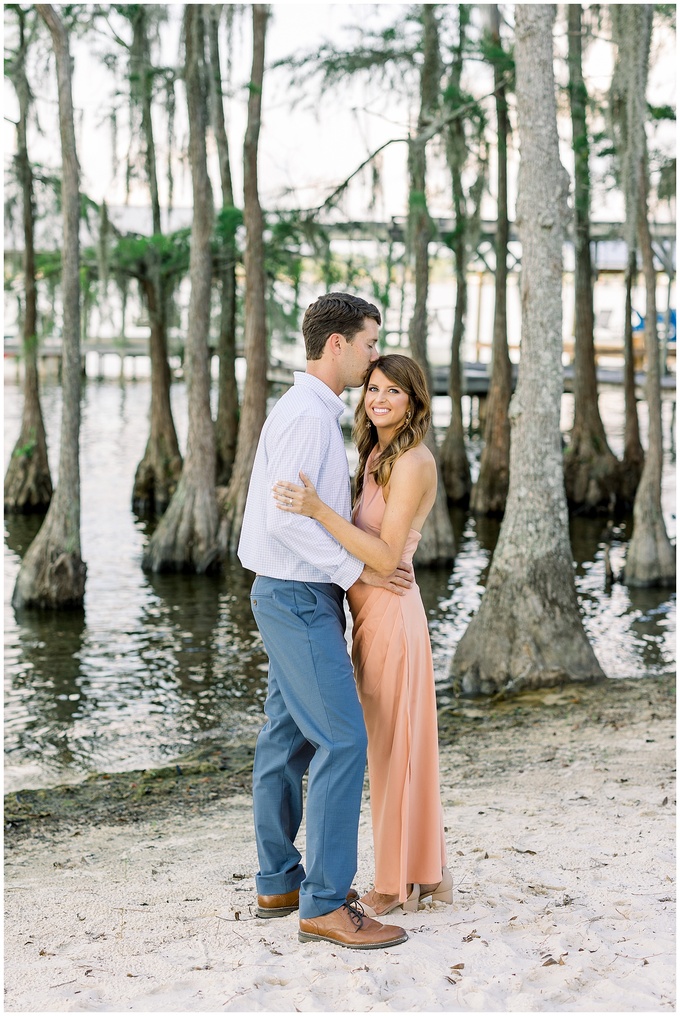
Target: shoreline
{"points": [[559, 815], [209, 773]]}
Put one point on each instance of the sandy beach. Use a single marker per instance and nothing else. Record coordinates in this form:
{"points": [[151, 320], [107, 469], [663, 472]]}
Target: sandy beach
{"points": [[560, 827]]}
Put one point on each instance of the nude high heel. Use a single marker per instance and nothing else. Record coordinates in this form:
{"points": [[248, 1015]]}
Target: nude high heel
{"points": [[442, 893], [411, 904]]}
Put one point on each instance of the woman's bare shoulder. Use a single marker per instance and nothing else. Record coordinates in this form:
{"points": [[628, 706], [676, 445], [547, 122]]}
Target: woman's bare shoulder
{"points": [[416, 461], [416, 456]]}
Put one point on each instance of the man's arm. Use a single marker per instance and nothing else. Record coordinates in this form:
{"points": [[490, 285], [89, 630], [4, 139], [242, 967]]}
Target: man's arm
{"points": [[305, 446]]}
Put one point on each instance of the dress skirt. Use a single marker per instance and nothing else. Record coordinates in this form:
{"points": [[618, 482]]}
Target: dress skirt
{"points": [[392, 661]]}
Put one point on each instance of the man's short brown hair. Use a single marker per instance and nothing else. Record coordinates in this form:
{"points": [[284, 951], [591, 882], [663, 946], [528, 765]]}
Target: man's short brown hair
{"points": [[334, 312]]}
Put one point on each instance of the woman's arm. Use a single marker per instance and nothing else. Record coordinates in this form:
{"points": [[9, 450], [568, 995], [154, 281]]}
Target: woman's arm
{"points": [[410, 480]]}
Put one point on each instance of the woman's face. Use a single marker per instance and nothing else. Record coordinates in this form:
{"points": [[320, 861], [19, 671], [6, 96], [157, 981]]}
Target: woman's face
{"points": [[386, 404]]}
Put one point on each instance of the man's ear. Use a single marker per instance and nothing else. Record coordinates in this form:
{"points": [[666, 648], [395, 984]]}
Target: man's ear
{"points": [[336, 341]]}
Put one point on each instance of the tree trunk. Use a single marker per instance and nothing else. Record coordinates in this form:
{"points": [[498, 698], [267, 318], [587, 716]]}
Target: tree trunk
{"points": [[650, 560], [254, 406], [28, 484], [591, 470], [226, 425], [437, 546], [157, 474], [186, 537], [490, 492], [528, 631], [633, 452], [421, 232], [52, 573], [454, 461], [421, 229], [627, 108]]}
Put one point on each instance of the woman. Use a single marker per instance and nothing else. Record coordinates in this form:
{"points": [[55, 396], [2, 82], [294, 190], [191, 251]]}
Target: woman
{"points": [[396, 489]]}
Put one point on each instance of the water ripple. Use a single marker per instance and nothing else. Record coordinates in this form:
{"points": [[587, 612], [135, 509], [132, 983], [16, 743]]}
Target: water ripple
{"points": [[157, 664]]}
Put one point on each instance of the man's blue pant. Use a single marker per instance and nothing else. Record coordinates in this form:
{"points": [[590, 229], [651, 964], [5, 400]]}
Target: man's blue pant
{"points": [[314, 722]]}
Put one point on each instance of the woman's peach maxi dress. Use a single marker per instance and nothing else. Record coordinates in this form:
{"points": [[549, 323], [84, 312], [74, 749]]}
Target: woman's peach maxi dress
{"points": [[395, 679]]}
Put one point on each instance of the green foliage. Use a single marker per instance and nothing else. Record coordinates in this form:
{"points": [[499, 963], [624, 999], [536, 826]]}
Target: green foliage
{"points": [[227, 222], [667, 13], [76, 18], [418, 217], [602, 144], [285, 239], [451, 237], [417, 203], [382, 56], [85, 280], [225, 231], [134, 253], [500, 57], [661, 112], [283, 314], [287, 244], [332, 270], [48, 264], [474, 117], [30, 344], [26, 450]]}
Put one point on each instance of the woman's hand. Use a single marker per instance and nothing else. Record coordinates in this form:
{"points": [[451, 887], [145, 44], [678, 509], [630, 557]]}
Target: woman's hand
{"points": [[300, 500]]}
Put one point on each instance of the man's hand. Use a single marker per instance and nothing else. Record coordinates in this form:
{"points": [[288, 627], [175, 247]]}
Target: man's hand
{"points": [[400, 581]]}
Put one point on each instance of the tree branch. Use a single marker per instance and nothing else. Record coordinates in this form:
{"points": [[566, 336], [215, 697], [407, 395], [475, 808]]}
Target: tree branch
{"points": [[420, 139], [115, 35]]}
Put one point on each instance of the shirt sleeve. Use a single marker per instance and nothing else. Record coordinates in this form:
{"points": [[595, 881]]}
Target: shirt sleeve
{"points": [[304, 446]]}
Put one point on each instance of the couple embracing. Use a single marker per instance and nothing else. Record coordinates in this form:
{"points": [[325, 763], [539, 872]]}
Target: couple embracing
{"points": [[307, 548]]}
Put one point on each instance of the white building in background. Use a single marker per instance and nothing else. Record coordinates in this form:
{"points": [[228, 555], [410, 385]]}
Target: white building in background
{"points": [[111, 322]]}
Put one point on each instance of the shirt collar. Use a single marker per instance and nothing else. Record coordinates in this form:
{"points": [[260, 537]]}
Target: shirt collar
{"points": [[334, 403]]}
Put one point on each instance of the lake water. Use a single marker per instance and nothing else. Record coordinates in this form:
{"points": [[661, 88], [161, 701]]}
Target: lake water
{"points": [[158, 664]]}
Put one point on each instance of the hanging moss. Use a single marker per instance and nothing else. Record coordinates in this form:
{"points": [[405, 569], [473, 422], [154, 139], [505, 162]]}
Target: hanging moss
{"points": [[123, 285], [113, 124], [417, 202], [171, 106], [103, 262]]}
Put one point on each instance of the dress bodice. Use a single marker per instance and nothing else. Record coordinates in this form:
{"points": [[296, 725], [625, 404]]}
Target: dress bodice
{"points": [[369, 512]]}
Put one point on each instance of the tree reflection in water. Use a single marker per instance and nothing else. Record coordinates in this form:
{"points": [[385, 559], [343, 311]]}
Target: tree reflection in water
{"points": [[44, 675], [158, 665]]}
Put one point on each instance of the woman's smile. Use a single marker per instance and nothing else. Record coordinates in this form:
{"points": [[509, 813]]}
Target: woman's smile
{"points": [[385, 402]]}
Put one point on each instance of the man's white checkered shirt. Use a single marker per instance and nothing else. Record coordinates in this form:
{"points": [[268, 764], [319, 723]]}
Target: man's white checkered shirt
{"points": [[302, 432]]}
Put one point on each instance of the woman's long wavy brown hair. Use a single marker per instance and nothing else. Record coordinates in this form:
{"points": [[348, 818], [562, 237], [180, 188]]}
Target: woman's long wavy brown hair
{"points": [[407, 375]]}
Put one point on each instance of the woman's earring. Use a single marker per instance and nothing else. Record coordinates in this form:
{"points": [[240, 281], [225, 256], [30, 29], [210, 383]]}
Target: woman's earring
{"points": [[408, 416]]}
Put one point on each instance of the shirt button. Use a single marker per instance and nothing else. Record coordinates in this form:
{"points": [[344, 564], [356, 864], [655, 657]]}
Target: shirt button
{"points": [[254, 603]]}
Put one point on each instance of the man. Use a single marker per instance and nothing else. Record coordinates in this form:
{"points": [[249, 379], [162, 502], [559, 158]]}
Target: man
{"points": [[314, 720]]}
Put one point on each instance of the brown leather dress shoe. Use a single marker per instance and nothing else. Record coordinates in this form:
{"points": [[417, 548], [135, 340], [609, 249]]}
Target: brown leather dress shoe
{"points": [[349, 927], [278, 906], [286, 903]]}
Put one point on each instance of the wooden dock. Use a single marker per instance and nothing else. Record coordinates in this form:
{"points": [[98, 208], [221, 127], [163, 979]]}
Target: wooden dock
{"points": [[476, 376], [476, 380]]}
